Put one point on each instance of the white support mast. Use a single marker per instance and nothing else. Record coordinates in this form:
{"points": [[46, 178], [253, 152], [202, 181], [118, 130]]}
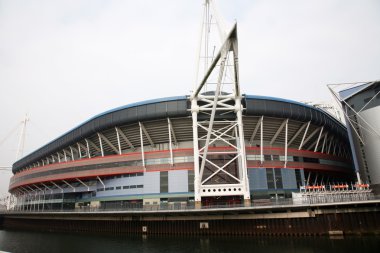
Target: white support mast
{"points": [[21, 143], [218, 171]]}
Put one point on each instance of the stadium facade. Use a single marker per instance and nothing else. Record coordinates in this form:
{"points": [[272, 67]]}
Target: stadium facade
{"points": [[142, 154], [361, 105], [214, 146]]}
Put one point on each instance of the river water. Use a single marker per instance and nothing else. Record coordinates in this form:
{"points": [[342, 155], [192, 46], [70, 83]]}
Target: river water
{"points": [[40, 242]]}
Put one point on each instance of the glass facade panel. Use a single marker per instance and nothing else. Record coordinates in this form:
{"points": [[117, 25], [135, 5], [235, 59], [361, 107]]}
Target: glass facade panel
{"points": [[278, 179], [191, 180], [164, 187], [270, 179]]}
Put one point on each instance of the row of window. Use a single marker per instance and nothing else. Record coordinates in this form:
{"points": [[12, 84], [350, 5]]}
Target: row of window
{"points": [[125, 187], [104, 166], [297, 159], [268, 158], [181, 159], [139, 174], [168, 161]]}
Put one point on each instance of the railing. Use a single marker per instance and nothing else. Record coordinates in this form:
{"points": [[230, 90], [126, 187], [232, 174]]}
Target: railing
{"points": [[255, 204]]}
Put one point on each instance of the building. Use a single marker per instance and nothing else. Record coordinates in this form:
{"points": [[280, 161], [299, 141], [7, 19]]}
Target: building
{"points": [[361, 105], [142, 155]]}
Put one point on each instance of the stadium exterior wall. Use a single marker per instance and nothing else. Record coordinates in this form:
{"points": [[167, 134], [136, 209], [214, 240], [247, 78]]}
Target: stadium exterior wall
{"points": [[123, 157], [363, 108]]}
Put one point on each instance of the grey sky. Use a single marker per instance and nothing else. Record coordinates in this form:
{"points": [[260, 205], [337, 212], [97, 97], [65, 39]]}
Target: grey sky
{"points": [[65, 61]]}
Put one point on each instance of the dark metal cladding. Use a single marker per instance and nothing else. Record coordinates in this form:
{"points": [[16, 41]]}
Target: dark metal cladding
{"points": [[281, 108], [143, 111], [179, 107]]}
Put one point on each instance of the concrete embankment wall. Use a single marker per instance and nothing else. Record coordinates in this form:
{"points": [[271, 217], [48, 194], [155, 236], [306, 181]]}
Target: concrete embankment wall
{"points": [[332, 220]]}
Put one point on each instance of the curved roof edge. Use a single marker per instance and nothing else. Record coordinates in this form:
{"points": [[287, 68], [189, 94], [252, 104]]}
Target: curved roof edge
{"points": [[34, 155], [174, 107], [296, 103]]}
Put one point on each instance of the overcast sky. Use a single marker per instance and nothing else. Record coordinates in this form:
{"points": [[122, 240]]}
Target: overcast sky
{"points": [[65, 61]]}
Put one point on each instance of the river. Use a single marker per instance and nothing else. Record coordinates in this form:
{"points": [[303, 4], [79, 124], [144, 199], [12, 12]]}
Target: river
{"points": [[41, 242]]}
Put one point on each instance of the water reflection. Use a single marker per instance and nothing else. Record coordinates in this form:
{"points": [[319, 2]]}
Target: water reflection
{"points": [[18, 241]]}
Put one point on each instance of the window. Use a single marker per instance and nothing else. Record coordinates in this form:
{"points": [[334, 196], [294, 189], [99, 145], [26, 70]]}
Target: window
{"points": [[118, 187], [140, 186], [310, 160], [270, 179], [190, 178], [267, 157], [253, 157], [164, 181], [298, 177], [289, 158], [278, 178], [126, 187]]}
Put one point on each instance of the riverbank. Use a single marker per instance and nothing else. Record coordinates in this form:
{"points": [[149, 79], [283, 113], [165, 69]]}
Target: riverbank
{"points": [[349, 218]]}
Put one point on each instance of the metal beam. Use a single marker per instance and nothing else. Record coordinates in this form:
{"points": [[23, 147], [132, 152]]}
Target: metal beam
{"points": [[72, 153], [104, 186], [142, 146], [80, 181], [118, 140], [304, 135], [101, 144], [310, 136], [319, 138], [51, 190], [146, 134], [64, 154], [24, 189], [124, 137], [255, 130], [174, 137], [37, 187], [286, 143], [329, 148], [297, 133], [324, 142], [33, 190], [59, 187], [79, 151], [262, 140], [93, 145], [170, 143], [88, 148], [226, 44], [278, 132], [80, 145], [224, 51], [109, 143], [312, 145], [69, 185]]}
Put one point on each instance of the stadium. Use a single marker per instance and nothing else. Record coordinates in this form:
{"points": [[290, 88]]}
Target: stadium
{"points": [[142, 155], [215, 146]]}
